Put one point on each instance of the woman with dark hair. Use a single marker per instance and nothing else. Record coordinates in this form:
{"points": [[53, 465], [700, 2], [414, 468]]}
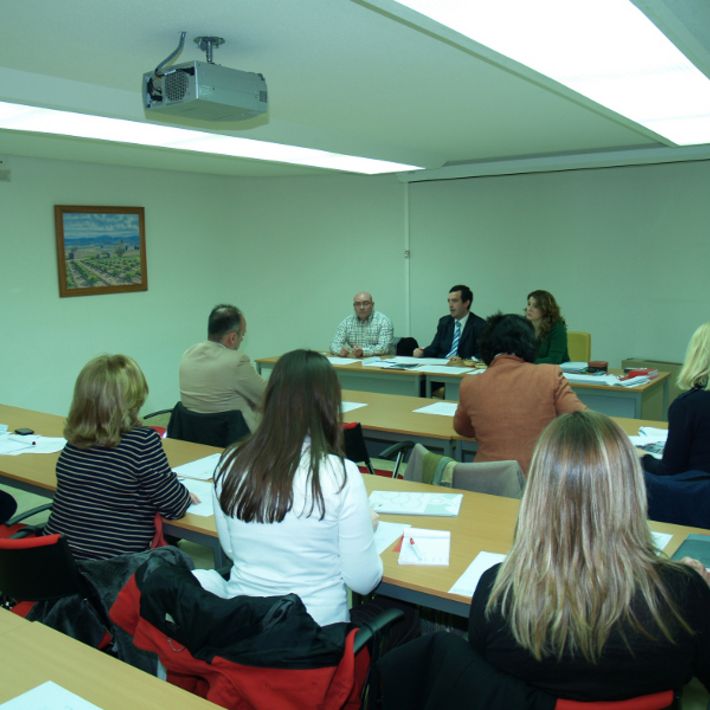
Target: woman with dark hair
{"points": [[550, 328], [291, 512], [584, 607], [508, 405]]}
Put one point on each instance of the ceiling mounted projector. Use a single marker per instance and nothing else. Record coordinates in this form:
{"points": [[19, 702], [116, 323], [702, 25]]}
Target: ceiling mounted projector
{"points": [[204, 90]]}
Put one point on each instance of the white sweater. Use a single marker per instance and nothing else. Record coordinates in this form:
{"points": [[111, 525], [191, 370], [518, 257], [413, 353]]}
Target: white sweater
{"points": [[316, 559]]}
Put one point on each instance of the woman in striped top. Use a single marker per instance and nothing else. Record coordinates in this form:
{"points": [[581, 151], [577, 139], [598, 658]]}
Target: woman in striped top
{"points": [[112, 476]]}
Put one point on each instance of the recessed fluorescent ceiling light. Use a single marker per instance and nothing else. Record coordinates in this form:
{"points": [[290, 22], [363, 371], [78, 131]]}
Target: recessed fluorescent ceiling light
{"points": [[607, 50], [17, 117]]}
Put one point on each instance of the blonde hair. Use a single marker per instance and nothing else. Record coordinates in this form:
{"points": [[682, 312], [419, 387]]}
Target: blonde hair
{"points": [[696, 368], [583, 550], [108, 394]]}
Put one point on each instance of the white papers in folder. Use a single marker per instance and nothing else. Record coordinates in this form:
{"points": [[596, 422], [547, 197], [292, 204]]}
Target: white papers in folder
{"points": [[445, 505], [425, 547], [608, 380], [200, 469], [573, 366], [651, 440], [466, 584]]}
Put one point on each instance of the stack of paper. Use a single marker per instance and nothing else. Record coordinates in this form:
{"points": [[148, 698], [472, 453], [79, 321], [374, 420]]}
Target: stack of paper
{"points": [[425, 547], [396, 503], [592, 379]]}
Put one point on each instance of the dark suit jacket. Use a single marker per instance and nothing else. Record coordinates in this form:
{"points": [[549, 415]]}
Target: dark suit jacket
{"points": [[468, 345]]}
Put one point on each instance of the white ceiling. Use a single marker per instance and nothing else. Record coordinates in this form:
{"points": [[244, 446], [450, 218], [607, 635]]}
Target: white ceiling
{"points": [[342, 76]]}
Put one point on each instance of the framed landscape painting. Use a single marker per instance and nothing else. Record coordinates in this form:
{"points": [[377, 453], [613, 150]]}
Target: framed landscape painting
{"points": [[100, 249]]}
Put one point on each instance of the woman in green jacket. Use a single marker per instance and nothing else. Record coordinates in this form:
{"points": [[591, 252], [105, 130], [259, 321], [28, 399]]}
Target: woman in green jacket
{"points": [[550, 328]]}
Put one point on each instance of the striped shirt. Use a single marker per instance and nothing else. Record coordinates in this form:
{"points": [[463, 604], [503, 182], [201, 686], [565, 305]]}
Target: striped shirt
{"points": [[106, 499], [374, 335]]}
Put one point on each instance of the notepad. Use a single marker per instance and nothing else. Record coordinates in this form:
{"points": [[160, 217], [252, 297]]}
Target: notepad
{"points": [[425, 547], [398, 503], [201, 469]]}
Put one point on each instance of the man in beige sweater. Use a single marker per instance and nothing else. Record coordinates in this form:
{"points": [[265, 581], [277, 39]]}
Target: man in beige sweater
{"points": [[215, 376]]}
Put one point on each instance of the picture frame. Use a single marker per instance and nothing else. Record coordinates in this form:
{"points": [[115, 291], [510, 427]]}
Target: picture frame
{"points": [[100, 249]]}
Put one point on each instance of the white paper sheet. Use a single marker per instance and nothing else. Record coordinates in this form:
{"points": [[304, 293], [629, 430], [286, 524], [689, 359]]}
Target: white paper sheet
{"points": [[16, 445], [660, 540], [425, 547], [466, 584], [445, 409], [203, 490], [333, 360], [444, 369], [346, 407], [201, 469], [387, 533], [396, 503], [48, 696]]}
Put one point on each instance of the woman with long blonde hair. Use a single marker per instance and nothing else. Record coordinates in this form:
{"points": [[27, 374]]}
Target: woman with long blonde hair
{"points": [[688, 445], [584, 607]]}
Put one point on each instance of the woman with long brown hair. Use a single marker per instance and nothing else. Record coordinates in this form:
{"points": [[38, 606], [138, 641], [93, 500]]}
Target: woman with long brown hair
{"points": [[550, 327], [584, 606], [291, 512]]}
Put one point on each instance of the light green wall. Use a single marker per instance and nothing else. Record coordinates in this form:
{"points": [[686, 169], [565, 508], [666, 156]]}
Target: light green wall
{"points": [[290, 252], [625, 251]]}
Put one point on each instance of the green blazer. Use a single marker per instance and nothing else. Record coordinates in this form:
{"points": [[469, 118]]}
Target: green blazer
{"points": [[552, 348]]}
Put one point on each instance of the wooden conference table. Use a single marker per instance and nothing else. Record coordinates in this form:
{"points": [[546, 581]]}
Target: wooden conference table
{"points": [[649, 401], [31, 654], [485, 523]]}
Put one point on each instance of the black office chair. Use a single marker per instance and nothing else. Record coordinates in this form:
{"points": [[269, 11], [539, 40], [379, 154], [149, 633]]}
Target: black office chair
{"points": [[217, 429], [356, 451]]}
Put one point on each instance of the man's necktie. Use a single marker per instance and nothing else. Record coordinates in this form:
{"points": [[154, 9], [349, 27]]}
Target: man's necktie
{"points": [[457, 337]]}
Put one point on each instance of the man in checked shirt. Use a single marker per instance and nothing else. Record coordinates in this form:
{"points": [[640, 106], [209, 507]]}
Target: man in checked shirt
{"points": [[366, 332]]}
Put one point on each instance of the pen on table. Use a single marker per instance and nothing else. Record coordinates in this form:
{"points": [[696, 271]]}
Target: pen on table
{"points": [[414, 548]]}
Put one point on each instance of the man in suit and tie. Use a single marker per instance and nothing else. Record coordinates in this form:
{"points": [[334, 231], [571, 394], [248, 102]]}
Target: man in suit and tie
{"points": [[457, 334]]}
